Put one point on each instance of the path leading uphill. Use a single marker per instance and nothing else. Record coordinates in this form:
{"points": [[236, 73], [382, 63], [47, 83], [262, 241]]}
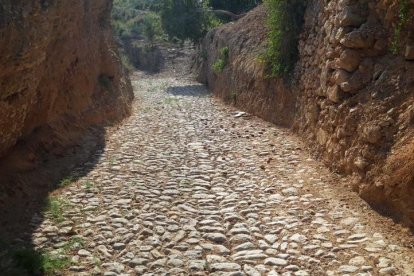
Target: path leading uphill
{"points": [[189, 186]]}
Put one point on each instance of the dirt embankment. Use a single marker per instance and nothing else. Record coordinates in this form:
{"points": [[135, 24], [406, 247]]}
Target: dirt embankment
{"points": [[243, 81], [61, 82], [352, 97]]}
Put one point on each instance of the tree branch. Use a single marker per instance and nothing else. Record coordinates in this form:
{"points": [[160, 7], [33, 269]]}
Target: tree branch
{"points": [[233, 16]]}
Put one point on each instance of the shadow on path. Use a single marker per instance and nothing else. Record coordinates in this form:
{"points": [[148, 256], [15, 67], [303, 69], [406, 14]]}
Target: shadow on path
{"points": [[194, 90], [25, 193]]}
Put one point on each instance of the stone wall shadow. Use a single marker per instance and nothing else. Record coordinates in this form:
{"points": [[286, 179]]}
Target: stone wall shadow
{"points": [[194, 90], [25, 190]]}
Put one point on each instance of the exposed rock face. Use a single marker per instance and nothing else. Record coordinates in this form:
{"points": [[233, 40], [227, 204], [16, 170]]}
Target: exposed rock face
{"points": [[58, 65], [354, 99], [60, 79]]}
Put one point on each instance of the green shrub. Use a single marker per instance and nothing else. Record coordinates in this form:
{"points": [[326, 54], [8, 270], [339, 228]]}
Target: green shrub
{"points": [[212, 21], [151, 27], [403, 17], [224, 53], [183, 19], [221, 62], [218, 66], [55, 208], [52, 264], [131, 18], [285, 20]]}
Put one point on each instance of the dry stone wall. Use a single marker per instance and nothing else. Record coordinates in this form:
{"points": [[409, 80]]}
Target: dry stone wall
{"points": [[353, 91], [356, 99]]}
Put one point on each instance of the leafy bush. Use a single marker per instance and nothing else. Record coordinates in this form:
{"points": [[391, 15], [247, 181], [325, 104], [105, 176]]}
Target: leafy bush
{"points": [[285, 20], [180, 19], [52, 264], [224, 53], [219, 64], [135, 18], [403, 17], [192, 19], [151, 27], [183, 19]]}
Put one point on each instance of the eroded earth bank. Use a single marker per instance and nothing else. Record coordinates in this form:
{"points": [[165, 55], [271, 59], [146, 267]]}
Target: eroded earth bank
{"points": [[61, 84]]}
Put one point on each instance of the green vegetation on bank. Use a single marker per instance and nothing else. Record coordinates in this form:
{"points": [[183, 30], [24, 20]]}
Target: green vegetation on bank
{"points": [[183, 19], [285, 20], [221, 62], [403, 18], [192, 19], [141, 25], [178, 19], [218, 66], [136, 19]]}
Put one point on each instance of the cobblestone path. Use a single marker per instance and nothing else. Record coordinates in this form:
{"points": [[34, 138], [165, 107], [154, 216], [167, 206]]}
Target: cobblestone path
{"points": [[188, 186]]}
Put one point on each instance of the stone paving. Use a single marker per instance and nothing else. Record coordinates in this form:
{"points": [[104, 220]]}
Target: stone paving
{"points": [[189, 186]]}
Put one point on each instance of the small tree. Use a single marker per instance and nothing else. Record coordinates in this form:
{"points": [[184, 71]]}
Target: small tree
{"points": [[191, 19], [285, 19], [151, 28], [183, 19]]}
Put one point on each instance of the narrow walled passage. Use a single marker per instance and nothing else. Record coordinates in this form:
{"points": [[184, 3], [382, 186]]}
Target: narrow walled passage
{"points": [[188, 186]]}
